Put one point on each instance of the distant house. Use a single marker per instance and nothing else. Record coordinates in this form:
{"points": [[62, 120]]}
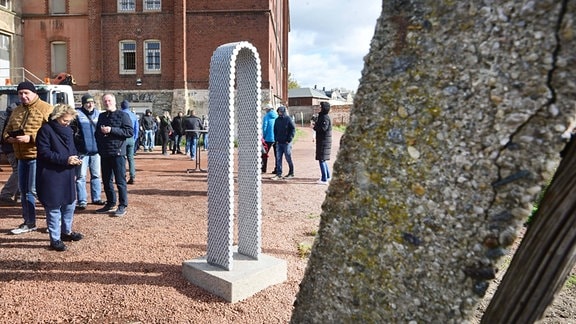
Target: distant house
{"points": [[305, 102], [313, 97], [306, 97]]}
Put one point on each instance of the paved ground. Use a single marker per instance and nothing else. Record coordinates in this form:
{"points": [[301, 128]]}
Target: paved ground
{"points": [[129, 269]]}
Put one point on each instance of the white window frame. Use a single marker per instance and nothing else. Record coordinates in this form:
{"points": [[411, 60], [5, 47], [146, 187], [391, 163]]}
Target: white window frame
{"points": [[152, 5], [58, 57], [126, 5], [154, 54], [5, 4], [123, 50], [5, 56]]}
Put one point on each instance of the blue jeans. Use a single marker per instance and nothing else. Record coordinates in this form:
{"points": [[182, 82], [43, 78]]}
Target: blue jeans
{"points": [[114, 169], [176, 143], [59, 220], [130, 149], [92, 162], [205, 140], [27, 183], [284, 149], [324, 170], [149, 139], [191, 142]]}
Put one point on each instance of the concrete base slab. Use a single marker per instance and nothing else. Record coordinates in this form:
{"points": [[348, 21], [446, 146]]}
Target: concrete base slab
{"points": [[248, 276]]}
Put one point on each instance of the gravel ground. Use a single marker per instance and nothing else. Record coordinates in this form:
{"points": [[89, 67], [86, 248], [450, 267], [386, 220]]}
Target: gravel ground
{"points": [[129, 270]]}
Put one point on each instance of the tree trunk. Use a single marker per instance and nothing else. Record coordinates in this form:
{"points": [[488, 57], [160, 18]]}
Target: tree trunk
{"points": [[545, 257]]}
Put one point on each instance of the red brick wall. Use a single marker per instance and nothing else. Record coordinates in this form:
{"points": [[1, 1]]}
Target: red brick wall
{"points": [[189, 31]]}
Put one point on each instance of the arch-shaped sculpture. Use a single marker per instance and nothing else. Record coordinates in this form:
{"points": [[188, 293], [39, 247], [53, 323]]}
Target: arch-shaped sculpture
{"points": [[234, 103], [235, 78]]}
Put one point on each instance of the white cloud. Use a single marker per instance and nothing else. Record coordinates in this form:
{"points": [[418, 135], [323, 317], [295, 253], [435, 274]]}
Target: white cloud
{"points": [[328, 40]]}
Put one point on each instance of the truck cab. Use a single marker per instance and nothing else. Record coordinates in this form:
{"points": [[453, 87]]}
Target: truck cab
{"points": [[51, 93]]}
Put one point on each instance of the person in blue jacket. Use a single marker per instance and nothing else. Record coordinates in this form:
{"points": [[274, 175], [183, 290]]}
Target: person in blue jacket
{"points": [[55, 169], [84, 127], [268, 135], [131, 141], [113, 128]]}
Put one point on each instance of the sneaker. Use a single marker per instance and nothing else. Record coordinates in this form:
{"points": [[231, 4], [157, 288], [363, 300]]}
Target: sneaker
{"points": [[289, 176], [73, 236], [58, 246], [106, 209], [99, 203], [322, 182], [276, 177], [24, 228], [121, 211], [81, 206], [130, 181]]}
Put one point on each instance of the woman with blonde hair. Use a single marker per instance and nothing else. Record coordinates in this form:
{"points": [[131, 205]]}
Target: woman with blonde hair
{"points": [[57, 159]]}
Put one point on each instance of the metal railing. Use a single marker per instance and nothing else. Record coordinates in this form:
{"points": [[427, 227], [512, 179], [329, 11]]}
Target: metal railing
{"points": [[17, 75]]}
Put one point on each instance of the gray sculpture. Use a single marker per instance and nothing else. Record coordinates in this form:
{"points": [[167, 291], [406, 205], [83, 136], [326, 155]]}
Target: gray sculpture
{"points": [[235, 78]]}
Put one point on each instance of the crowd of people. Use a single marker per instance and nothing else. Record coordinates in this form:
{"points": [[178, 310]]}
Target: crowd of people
{"points": [[278, 131], [61, 146]]}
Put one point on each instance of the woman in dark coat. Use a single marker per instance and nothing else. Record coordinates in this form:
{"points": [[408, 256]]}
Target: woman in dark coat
{"points": [[55, 175], [323, 129]]}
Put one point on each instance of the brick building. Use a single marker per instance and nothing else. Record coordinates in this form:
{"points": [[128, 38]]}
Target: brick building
{"points": [[154, 53]]}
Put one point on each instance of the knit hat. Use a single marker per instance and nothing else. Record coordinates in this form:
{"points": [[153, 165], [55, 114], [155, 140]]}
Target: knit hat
{"points": [[87, 98], [26, 85], [125, 105], [325, 107]]}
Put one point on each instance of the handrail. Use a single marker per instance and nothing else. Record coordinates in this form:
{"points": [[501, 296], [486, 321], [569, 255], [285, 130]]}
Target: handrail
{"points": [[20, 74]]}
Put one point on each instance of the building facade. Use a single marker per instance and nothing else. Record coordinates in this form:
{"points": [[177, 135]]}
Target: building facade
{"points": [[154, 53]]}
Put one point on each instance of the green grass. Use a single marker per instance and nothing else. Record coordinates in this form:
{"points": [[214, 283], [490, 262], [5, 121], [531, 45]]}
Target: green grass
{"points": [[304, 249], [571, 281], [341, 128]]}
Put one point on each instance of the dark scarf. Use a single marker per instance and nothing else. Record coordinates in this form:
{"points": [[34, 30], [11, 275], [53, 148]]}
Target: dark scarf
{"points": [[64, 133]]}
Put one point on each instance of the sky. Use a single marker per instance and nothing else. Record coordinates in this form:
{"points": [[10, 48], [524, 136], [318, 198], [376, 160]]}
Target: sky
{"points": [[328, 40]]}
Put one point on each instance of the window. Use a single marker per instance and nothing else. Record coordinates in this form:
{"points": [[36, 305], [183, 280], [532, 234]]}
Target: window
{"points": [[152, 4], [4, 57], [59, 58], [127, 57], [57, 7], [152, 56], [126, 5], [5, 4]]}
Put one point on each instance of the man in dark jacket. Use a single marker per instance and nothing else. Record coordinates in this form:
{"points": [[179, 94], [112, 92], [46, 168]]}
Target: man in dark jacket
{"points": [[113, 128], [323, 129], [192, 124], [284, 131], [178, 129], [148, 124]]}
